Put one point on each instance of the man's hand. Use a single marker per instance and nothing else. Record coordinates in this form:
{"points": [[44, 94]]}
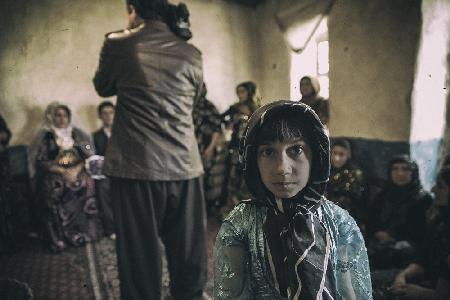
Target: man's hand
{"points": [[133, 19]]}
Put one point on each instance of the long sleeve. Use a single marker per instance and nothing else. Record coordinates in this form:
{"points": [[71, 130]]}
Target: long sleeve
{"points": [[352, 271], [231, 260], [105, 79]]}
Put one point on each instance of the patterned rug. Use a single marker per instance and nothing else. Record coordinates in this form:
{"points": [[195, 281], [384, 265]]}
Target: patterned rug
{"points": [[88, 272]]}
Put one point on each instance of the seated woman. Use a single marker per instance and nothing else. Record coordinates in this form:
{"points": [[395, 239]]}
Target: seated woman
{"points": [[67, 191], [288, 241], [346, 185], [428, 276], [398, 216]]}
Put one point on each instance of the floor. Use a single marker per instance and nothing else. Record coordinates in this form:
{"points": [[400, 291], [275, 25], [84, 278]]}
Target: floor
{"points": [[88, 272]]}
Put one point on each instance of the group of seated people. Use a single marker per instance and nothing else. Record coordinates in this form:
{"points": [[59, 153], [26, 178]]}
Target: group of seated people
{"points": [[67, 205], [406, 231]]}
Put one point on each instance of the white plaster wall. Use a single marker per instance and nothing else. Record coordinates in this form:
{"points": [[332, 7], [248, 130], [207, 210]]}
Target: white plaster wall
{"points": [[49, 51], [432, 75], [275, 56], [373, 48]]}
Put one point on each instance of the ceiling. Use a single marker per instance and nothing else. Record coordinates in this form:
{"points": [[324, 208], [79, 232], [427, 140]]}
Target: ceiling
{"points": [[250, 3]]}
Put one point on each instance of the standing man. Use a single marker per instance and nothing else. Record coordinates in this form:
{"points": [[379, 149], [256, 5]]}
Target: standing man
{"points": [[152, 158], [102, 185]]}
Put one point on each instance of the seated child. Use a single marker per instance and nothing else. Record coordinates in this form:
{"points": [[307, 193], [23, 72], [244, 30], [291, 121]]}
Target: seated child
{"points": [[288, 241]]}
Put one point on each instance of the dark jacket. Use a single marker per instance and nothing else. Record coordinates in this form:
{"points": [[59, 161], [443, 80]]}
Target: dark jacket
{"points": [[156, 77], [100, 141]]}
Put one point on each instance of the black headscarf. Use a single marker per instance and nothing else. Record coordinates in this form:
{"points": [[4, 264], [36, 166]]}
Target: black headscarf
{"points": [[414, 186], [298, 242]]}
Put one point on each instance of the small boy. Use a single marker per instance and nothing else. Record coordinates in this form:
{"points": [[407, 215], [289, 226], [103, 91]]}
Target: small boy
{"points": [[288, 241], [101, 137]]}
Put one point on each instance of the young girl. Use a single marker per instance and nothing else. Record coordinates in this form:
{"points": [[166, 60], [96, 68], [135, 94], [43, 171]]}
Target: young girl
{"points": [[288, 241]]}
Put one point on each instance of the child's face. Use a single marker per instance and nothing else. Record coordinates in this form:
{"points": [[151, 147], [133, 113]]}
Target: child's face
{"points": [[339, 156], [107, 116], [284, 166]]}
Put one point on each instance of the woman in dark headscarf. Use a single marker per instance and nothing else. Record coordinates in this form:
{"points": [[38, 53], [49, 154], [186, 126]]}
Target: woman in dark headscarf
{"points": [[398, 215], [67, 191], [310, 88], [288, 241]]}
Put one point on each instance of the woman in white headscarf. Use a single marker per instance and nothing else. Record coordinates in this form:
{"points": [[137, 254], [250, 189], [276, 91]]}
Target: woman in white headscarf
{"points": [[66, 190]]}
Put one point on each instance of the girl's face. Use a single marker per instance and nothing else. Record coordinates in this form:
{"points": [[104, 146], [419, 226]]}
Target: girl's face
{"points": [[61, 118], [339, 156], [442, 192], [401, 173], [242, 93], [285, 166]]}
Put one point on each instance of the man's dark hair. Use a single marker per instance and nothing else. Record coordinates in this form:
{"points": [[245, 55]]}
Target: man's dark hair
{"points": [[150, 9], [103, 105]]}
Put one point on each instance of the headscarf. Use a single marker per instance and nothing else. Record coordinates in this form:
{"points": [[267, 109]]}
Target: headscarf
{"points": [[63, 136], [298, 242], [414, 186], [314, 83], [344, 143]]}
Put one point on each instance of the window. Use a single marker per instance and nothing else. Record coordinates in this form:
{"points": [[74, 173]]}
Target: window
{"points": [[313, 60]]}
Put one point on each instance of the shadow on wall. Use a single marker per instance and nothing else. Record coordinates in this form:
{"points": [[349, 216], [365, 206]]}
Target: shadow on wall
{"points": [[34, 120], [89, 114]]}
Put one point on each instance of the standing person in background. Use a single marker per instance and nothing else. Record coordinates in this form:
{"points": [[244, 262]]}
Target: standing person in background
{"points": [[235, 120], [102, 185], [310, 88], [152, 157], [208, 131]]}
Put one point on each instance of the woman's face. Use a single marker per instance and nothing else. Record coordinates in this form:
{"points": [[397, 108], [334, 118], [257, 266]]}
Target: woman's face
{"points": [[306, 88], [285, 166], [339, 156], [242, 93], [442, 192], [401, 173], [60, 118]]}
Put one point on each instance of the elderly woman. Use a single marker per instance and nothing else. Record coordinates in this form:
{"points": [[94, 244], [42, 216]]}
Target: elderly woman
{"points": [[428, 276], [67, 191], [398, 215]]}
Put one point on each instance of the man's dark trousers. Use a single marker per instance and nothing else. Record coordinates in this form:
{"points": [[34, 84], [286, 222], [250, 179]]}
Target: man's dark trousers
{"points": [[174, 211]]}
